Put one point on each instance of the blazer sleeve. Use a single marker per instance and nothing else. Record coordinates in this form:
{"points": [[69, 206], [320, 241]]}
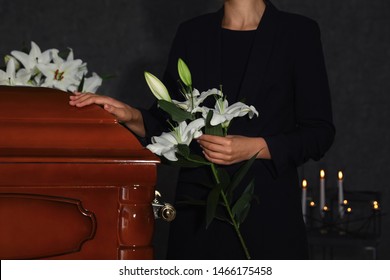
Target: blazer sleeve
{"points": [[314, 131], [155, 120]]}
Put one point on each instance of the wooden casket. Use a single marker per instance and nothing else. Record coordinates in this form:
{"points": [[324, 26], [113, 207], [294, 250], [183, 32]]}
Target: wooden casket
{"points": [[74, 183]]}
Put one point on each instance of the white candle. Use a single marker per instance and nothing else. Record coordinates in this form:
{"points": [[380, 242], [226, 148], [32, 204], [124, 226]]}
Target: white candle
{"points": [[304, 199], [375, 205], [341, 194], [322, 192]]}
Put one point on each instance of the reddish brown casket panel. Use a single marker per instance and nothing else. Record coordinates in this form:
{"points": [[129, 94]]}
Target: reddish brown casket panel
{"points": [[74, 184]]}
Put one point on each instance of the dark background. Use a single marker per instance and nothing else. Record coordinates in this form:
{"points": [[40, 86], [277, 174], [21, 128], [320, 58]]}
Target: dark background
{"points": [[126, 37]]}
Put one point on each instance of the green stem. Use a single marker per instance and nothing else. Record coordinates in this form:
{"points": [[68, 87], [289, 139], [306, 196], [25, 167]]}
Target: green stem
{"points": [[235, 225], [229, 210], [198, 161], [215, 173]]}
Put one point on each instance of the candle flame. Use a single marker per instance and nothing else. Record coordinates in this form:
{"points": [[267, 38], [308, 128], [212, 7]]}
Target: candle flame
{"points": [[345, 202], [312, 204], [322, 174], [304, 184], [376, 206], [349, 209], [340, 175], [325, 208]]}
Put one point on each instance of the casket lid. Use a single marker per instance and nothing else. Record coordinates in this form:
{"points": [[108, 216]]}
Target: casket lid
{"points": [[39, 124]]}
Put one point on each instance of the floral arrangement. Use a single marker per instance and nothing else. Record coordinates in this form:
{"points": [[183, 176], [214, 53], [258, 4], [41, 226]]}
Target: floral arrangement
{"points": [[189, 120], [48, 69]]}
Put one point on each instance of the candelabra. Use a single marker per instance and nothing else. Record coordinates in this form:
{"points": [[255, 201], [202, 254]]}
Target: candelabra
{"points": [[358, 215]]}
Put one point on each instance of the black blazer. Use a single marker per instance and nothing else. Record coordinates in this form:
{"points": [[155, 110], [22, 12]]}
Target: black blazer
{"points": [[286, 81]]}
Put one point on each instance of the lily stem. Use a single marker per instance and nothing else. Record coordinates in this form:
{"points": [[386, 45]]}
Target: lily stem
{"points": [[229, 210], [215, 173], [235, 225]]}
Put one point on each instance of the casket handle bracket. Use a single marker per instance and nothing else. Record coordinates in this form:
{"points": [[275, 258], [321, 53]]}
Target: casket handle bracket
{"points": [[163, 210]]}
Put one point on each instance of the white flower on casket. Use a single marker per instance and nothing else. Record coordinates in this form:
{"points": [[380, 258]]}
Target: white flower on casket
{"points": [[63, 74], [34, 58], [10, 77], [92, 83]]}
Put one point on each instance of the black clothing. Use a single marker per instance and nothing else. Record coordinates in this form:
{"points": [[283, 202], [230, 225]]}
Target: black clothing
{"points": [[285, 80], [235, 49]]}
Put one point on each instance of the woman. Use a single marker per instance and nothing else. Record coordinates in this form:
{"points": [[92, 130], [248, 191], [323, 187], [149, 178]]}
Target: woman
{"points": [[272, 60]]}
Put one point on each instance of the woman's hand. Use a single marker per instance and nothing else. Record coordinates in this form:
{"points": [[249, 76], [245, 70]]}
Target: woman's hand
{"points": [[232, 148], [120, 110], [124, 113]]}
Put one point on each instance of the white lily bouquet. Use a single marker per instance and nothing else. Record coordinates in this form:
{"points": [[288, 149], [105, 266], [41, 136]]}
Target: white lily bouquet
{"points": [[189, 120], [48, 69]]}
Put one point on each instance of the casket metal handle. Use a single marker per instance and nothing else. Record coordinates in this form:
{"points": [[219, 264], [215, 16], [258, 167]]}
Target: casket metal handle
{"points": [[164, 210]]}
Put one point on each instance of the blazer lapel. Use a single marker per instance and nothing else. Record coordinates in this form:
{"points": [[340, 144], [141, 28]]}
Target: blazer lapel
{"points": [[259, 56]]}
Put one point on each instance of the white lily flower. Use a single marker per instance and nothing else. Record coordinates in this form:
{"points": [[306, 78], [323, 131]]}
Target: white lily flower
{"points": [[223, 113], [12, 78], [34, 58], [166, 144], [192, 102], [91, 84], [62, 74], [157, 87]]}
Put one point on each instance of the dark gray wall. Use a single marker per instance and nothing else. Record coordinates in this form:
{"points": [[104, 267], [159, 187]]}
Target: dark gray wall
{"points": [[356, 41], [125, 38]]}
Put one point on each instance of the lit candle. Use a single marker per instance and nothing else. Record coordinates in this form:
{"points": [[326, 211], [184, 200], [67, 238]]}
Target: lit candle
{"points": [[341, 194], [304, 198], [375, 205], [322, 192], [312, 205]]}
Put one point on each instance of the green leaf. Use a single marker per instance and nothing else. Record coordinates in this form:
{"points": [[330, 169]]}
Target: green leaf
{"points": [[212, 203], [240, 174], [64, 54], [183, 162], [241, 207], [224, 178], [216, 130], [108, 76], [221, 215], [176, 113], [195, 157], [81, 85], [184, 72], [183, 150]]}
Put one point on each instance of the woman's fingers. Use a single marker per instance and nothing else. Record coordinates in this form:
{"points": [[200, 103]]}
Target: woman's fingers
{"points": [[120, 110], [232, 148], [122, 114], [84, 99], [215, 143], [216, 149]]}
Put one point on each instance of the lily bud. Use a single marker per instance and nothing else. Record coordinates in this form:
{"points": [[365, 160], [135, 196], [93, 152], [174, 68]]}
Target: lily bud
{"points": [[8, 57], [184, 73], [157, 87]]}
